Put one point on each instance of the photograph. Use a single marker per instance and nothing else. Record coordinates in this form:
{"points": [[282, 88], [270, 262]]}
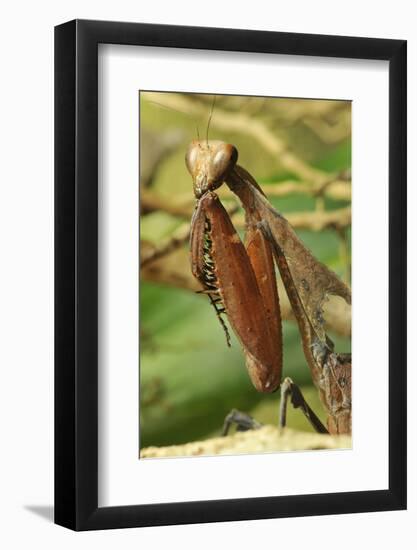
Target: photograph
{"points": [[245, 274], [205, 225]]}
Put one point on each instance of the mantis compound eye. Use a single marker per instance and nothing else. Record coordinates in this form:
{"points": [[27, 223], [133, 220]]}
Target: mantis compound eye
{"points": [[223, 161], [192, 157], [209, 162]]}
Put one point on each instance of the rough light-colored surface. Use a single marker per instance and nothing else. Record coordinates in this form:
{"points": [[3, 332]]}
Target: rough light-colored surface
{"points": [[266, 439]]}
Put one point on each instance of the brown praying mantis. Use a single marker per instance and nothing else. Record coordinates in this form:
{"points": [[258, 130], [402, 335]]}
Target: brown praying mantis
{"points": [[240, 281]]}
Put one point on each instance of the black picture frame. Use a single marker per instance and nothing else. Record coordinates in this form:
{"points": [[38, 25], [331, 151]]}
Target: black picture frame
{"points": [[76, 272]]}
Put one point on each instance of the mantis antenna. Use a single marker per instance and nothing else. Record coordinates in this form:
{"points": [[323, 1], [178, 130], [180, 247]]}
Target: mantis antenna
{"points": [[209, 119]]}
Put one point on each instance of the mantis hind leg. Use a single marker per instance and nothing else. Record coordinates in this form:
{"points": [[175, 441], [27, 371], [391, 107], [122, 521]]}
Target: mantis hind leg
{"points": [[289, 389], [243, 422]]}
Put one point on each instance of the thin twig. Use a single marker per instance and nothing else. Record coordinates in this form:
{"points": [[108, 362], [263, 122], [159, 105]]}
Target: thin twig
{"points": [[152, 253]]}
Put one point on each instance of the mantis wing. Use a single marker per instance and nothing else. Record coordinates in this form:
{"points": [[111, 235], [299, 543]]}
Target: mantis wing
{"points": [[312, 280]]}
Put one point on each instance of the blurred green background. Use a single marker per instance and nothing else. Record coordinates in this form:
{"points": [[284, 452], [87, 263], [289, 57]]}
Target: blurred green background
{"points": [[300, 153]]}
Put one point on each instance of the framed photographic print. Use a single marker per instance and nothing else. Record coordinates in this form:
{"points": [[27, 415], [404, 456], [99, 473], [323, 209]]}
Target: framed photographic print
{"points": [[230, 274]]}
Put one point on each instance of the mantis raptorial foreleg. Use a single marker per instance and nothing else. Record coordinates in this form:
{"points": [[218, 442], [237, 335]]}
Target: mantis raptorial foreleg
{"points": [[221, 264]]}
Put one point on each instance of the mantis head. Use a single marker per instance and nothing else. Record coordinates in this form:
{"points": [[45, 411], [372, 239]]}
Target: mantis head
{"points": [[209, 163]]}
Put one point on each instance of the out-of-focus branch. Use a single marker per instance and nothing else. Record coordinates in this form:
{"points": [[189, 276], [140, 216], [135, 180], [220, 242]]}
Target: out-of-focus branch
{"points": [[293, 110], [171, 269], [150, 253], [241, 122], [288, 112], [337, 189], [151, 201], [315, 221], [330, 133], [174, 270], [184, 204], [155, 147]]}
